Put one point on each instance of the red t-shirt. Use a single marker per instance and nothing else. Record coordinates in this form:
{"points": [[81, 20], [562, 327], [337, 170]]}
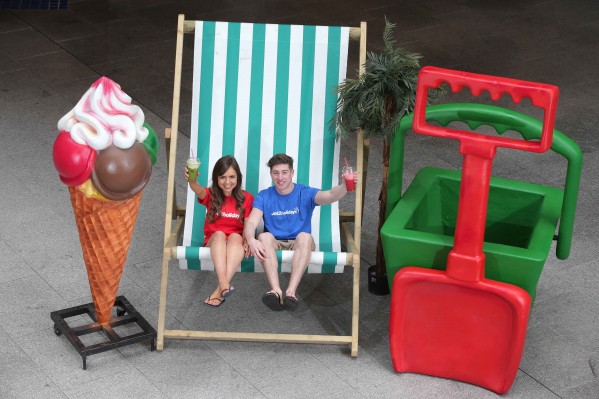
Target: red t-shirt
{"points": [[228, 222]]}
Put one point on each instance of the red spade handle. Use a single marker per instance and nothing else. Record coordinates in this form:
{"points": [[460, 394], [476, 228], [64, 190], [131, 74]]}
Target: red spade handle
{"points": [[467, 260], [542, 95]]}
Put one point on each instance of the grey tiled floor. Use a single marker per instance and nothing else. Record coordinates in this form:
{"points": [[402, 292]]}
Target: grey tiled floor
{"points": [[49, 58]]}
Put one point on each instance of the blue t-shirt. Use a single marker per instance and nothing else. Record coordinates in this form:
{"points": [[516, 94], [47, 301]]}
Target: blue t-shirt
{"points": [[285, 216]]}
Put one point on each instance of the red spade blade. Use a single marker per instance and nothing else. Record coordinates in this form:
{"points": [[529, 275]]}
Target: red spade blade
{"points": [[467, 331]]}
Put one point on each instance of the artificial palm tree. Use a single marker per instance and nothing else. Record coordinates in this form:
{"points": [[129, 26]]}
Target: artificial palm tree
{"points": [[376, 102]]}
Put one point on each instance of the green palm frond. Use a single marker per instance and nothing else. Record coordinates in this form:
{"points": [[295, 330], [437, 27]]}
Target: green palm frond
{"points": [[378, 99]]}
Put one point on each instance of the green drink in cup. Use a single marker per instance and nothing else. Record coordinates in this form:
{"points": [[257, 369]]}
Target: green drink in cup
{"points": [[193, 164]]}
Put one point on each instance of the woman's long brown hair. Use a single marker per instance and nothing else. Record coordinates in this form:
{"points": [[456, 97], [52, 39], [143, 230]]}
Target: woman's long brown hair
{"points": [[217, 197]]}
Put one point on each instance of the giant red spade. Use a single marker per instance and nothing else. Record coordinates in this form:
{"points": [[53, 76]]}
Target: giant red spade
{"points": [[456, 323]]}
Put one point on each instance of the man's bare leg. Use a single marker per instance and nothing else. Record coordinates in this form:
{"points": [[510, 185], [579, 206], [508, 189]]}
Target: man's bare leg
{"points": [[270, 264], [302, 251]]}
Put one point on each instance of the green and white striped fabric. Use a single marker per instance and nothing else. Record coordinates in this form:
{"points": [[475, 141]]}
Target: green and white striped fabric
{"points": [[258, 90]]}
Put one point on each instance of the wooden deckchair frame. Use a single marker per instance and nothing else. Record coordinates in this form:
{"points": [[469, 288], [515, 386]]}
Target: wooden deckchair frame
{"points": [[175, 217]]}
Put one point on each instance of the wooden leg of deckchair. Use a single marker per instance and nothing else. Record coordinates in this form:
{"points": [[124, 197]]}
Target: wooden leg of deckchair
{"points": [[162, 305], [167, 147], [366, 154], [355, 307]]}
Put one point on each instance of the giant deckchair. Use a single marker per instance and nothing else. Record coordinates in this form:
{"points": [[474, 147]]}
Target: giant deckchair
{"points": [[258, 90]]}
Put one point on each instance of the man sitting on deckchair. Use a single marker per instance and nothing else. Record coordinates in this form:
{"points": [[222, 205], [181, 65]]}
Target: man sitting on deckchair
{"points": [[287, 211]]}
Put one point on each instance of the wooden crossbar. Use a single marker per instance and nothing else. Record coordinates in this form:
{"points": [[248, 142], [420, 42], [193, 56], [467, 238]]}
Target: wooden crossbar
{"points": [[258, 337]]}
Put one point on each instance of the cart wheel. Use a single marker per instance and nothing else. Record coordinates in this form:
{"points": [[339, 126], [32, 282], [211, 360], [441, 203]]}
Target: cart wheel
{"points": [[120, 311], [57, 330]]}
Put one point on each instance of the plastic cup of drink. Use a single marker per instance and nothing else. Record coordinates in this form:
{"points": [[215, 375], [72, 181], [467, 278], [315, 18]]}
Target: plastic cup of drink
{"points": [[348, 175], [193, 164]]}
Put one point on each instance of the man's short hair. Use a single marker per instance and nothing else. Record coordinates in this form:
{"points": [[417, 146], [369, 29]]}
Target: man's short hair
{"points": [[280, 159]]}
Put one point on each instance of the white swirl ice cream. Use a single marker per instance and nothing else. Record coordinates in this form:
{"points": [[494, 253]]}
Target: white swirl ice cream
{"points": [[105, 116]]}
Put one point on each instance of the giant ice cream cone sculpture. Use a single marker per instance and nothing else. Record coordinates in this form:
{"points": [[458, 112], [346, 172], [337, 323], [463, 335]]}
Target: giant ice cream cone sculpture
{"points": [[105, 231], [104, 153]]}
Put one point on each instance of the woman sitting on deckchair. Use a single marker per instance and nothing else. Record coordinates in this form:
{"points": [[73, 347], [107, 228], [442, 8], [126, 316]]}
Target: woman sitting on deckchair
{"points": [[227, 207]]}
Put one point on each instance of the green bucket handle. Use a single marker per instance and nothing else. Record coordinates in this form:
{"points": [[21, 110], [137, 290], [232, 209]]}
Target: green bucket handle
{"points": [[501, 120]]}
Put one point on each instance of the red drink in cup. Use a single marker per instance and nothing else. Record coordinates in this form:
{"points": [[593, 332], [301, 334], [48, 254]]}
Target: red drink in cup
{"points": [[349, 176]]}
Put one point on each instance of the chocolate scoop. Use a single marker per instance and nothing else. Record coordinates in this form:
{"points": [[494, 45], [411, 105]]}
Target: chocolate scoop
{"points": [[120, 174]]}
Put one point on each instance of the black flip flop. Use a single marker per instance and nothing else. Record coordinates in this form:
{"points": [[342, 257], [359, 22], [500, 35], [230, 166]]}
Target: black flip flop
{"points": [[272, 300], [212, 299], [230, 291], [291, 303]]}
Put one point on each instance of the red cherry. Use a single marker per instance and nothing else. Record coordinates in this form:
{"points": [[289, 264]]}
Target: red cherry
{"points": [[73, 161]]}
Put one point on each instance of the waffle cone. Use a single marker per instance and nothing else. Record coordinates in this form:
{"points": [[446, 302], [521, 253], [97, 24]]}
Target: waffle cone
{"points": [[105, 231]]}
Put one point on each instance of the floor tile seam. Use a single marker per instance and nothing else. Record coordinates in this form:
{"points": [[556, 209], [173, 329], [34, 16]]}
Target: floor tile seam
{"points": [[156, 113], [59, 44], [233, 367], [542, 301], [149, 258], [157, 259], [575, 98], [92, 380], [363, 259], [285, 19], [164, 394], [551, 55], [567, 270], [133, 282], [13, 30], [174, 313], [54, 42], [101, 26], [148, 43], [198, 16], [309, 353], [418, 30], [573, 289], [162, 3], [40, 365], [31, 57], [160, 229], [25, 58], [556, 333], [124, 60], [539, 382], [52, 287], [33, 23], [33, 362], [157, 167], [74, 38], [423, 29], [588, 296], [335, 371], [573, 384], [143, 288], [13, 281], [34, 269]]}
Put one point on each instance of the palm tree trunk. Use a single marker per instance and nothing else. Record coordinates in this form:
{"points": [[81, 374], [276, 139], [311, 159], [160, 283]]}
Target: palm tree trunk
{"points": [[380, 267]]}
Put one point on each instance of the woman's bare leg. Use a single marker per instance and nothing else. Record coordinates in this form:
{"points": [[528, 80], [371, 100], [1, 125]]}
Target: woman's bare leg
{"points": [[235, 254], [218, 251]]}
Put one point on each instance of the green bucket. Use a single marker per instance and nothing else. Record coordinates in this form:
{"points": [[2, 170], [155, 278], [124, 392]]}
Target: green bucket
{"points": [[420, 230], [521, 217]]}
